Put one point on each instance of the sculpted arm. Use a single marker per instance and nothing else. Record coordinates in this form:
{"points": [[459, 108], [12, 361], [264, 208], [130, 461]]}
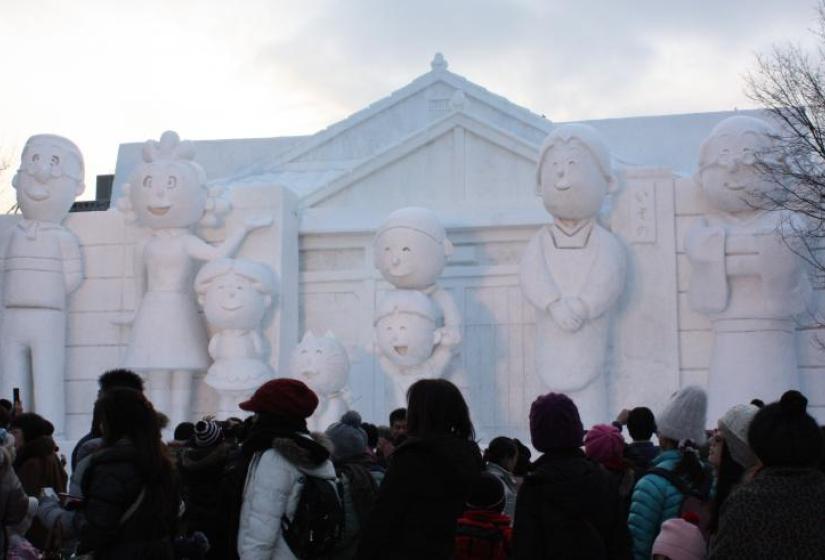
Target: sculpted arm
{"points": [[606, 282], [199, 249], [452, 317], [536, 284], [72, 261]]}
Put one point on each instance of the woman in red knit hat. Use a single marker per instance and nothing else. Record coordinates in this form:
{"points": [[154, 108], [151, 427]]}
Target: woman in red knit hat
{"points": [[280, 452]]}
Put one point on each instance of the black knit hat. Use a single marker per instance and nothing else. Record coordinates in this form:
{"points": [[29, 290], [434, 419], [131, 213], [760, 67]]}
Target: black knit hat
{"points": [[784, 434], [486, 493]]}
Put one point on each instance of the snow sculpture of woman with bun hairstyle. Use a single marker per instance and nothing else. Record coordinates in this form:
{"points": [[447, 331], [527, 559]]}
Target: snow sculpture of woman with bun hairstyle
{"points": [[168, 195]]}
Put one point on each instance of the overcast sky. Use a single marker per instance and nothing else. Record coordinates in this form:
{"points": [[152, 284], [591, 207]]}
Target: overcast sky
{"points": [[106, 72]]}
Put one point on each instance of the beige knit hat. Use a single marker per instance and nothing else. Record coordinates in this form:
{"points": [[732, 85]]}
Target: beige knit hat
{"points": [[734, 427]]}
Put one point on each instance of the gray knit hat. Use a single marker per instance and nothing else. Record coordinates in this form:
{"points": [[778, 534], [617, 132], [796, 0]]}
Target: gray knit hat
{"points": [[684, 416], [348, 437], [734, 427]]}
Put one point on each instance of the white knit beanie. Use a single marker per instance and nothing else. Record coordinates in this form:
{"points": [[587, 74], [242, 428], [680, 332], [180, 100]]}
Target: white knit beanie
{"points": [[734, 427], [684, 416]]}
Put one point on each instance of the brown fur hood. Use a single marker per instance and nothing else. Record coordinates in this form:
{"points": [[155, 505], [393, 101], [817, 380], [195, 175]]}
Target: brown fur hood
{"points": [[310, 455]]}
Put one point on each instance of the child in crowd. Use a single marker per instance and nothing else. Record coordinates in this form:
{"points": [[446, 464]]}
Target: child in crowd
{"points": [[484, 532]]}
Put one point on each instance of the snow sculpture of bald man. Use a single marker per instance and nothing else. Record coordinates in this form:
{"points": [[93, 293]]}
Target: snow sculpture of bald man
{"points": [[746, 276], [573, 270], [42, 265]]}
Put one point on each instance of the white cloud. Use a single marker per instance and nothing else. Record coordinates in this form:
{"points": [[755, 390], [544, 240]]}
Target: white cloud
{"points": [[105, 72]]}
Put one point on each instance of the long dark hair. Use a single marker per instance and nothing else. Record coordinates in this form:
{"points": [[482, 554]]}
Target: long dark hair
{"points": [[127, 414], [436, 408], [730, 474]]}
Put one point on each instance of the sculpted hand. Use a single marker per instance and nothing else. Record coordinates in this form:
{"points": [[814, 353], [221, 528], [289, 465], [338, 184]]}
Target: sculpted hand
{"points": [[565, 317], [450, 336]]}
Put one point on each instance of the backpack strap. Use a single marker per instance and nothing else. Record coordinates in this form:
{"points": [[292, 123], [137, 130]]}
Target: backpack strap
{"points": [[681, 485], [133, 508]]}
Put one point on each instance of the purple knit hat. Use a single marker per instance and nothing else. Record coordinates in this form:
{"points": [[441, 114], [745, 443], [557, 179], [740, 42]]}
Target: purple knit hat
{"points": [[555, 423]]}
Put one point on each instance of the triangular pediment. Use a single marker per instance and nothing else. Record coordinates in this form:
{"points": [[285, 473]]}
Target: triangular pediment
{"points": [[457, 161], [425, 100]]}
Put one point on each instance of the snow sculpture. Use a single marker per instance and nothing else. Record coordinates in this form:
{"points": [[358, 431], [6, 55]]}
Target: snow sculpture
{"points": [[42, 265], [235, 295], [411, 250], [322, 363], [573, 270], [410, 342], [168, 195], [745, 274]]}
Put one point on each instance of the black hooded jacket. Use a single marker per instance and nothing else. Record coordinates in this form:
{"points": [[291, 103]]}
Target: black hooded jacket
{"points": [[566, 509], [422, 496]]}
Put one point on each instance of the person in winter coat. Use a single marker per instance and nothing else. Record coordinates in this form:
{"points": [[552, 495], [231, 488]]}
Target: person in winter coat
{"points": [[641, 425], [428, 480], [37, 464], [780, 513], [14, 503], [280, 453], [565, 508], [130, 497], [484, 532], [200, 468], [730, 456], [655, 499], [360, 478], [108, 380], [604, 444], [500, 459]]}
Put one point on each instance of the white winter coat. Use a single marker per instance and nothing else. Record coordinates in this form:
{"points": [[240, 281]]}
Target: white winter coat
{"points": [[272, 489]]}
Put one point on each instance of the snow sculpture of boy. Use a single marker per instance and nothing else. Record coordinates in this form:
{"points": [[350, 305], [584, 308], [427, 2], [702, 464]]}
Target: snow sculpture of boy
{"points": [[168, 195], [235, 295], [322, 363], [573, 270], [410, 341], [411, 249], [745, 274], [42, 265]]}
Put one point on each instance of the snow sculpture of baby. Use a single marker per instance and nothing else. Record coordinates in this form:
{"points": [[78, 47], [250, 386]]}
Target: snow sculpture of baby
{"points": [[410, 341], [573, 270], [235, 295], [322, 363], [745, 274], [168, 195], [411, 249], [42, 265]]}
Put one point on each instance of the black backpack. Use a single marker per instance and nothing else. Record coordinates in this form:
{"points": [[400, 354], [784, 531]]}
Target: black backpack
{"points": [[318, 521]]}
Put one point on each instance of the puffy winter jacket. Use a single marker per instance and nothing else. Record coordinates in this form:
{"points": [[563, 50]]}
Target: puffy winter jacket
{"points": [[13, 500], [112, 486], [566, 509], [655, 500], [419, 502], [272, 490]]}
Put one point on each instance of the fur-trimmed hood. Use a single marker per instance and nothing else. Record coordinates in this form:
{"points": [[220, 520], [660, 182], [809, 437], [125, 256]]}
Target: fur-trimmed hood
{"points": [[305, 457]]}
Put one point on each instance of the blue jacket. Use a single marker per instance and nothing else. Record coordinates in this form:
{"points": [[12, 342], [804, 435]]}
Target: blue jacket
{"points": [[655, 500]]}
